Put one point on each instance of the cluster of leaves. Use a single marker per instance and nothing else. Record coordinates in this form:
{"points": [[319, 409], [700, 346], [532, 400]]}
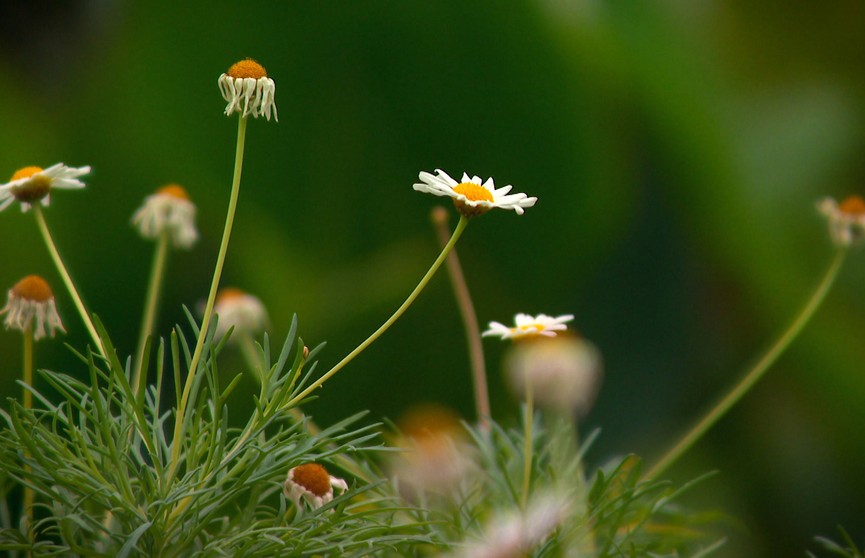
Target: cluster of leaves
{"points": [[849, 550], [99, 463]]}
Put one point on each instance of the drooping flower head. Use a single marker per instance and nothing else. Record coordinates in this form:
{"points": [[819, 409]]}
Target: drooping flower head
{"points": [[247, 90], [846, 219], [471, 197], [530, 326], [171, 210], [311, 483], [30, 304], [240, 310], [31, 185]]}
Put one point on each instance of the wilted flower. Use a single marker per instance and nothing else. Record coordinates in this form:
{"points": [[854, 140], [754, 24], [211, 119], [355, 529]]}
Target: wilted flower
{"points": [[470, 196], [846, 220], [515, 534], [168, 210], [248, 90], [31, 305], [564, 371], [434, 458], [530, 326], [312, 483], [242, 311], [34, 184]]}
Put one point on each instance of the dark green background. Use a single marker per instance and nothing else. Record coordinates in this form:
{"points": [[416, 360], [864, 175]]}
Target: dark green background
{"points": [[677, 149]]}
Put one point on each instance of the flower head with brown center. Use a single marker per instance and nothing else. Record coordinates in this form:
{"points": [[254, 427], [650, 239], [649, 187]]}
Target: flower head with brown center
{"points": [[30, 304], [530, 326], [168, 210], [311, 482], [240, 310], [846, 219], [471, 196], [31, 185], [248, 91]]}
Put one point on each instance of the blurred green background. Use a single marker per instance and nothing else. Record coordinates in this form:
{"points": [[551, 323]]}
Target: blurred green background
{"points": [[677, 149]]}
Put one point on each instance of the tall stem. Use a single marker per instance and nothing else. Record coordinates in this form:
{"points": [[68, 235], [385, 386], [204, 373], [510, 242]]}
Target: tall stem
{"points": [[177, 442], [753, 375], [384, 327], [470, 321], [528, 441], [67, 279], [151, 304], [27, 377]]}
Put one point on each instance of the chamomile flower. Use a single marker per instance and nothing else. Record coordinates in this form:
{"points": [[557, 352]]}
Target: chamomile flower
{"points": [[169, 209], [31, 305], [312, 483], [31, 185], [530, 326], [240, 310], [471, 197], [247, 90], [846, 219]]}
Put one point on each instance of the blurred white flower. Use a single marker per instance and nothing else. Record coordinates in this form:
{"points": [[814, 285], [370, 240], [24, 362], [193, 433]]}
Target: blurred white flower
{"points": [[530, 326], [312, 483], [169, 209], [240, 310], [34, 184], [564, 371], [470, 196], [247, 90], [31, 305], [846, 220], [515, 534]]}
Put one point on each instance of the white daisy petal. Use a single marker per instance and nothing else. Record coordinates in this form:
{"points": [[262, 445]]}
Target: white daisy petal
{"points": [[846, 219], [31, 185], [248, 91], [472, 196]]}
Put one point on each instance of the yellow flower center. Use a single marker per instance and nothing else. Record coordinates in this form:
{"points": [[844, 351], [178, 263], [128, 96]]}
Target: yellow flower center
{"points": [[248, 68], [34, 189], [26, 172], [312, 477], [175, 191], [536, 327], [854, 205], [474, 192], [229, 294], [33, 288]]}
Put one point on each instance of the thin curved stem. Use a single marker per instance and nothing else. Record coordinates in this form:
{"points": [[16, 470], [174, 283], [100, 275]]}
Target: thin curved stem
{"points": [[177, 441], [528, 441], [151, 304], [458, 231], [757, 372], [470, 321], [67, 279]]}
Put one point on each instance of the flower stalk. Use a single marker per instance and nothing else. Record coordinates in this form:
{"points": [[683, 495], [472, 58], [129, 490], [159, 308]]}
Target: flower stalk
{"points": [[151, 305], [757, 372]]}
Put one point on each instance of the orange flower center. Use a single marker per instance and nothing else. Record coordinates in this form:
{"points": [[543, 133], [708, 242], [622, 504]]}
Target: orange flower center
{"points": [[312, 477], [33, 288], [853, 205], [248, 68], [26, 172], [228, 294], [175, 191], [474, 192]]}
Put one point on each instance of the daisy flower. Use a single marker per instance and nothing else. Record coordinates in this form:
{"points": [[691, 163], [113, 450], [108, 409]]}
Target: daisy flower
{"points": [[34, 184], [247, 90], [471, 197], [312, 483], [846, 219], [240, 310], [31, 305], [530, 326], [169, 209]]}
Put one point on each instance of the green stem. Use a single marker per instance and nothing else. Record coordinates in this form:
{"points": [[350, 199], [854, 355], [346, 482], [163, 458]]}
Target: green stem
{"points": [[527, 441], [177, 442], [470, 320], [67, 279], [28, 404], [384, 327], [752, 376], [157, 273]]}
